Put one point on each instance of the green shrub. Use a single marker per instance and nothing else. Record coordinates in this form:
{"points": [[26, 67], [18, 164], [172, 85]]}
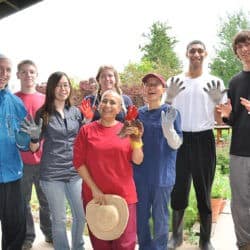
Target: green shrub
{"points": [[222, 160], [220, 187]]}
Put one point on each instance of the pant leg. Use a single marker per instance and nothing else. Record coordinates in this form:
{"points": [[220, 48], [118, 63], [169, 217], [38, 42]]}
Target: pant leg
{"points": [[13, 215], [203, 169], [73, 194], [44, 212], [160, 214], [180, 192], [240, 202], [143, 216], [127, 240], [98, 244], [27, 183], [55, 194]]}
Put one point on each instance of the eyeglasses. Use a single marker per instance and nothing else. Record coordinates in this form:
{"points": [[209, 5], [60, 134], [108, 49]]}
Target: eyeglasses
{"points": [[65, 86], [199, 50]]}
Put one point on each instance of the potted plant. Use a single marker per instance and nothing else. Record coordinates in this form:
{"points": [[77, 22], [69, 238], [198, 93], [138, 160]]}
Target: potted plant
{"points": [[220, 192]]}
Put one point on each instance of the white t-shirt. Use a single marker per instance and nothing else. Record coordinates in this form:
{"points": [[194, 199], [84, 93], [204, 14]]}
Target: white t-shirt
{"points": [[195, 106]]}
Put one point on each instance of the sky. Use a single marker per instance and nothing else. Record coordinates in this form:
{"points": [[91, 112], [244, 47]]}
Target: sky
{"points": [[78, 36]]}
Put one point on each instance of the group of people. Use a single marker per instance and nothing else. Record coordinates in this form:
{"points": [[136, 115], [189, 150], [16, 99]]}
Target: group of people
{"points": [[88, 87], [79, 154]]}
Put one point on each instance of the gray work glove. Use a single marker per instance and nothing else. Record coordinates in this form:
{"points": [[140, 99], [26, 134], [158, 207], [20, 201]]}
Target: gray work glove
{"points": [[214, 91], [167, 124], [29, 127], [174, 88]]}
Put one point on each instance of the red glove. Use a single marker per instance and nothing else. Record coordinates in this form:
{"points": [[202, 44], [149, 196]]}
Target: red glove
{"points": [[132, 127], [132, 113], [86, 109]]}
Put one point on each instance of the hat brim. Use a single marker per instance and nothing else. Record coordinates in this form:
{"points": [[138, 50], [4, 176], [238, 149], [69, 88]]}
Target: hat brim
{"points": [[158, 76], [116, 231]]}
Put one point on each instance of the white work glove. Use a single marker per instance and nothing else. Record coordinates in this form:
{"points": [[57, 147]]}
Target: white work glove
{"points": [[167, 124], [214, 91], [174, 88]]}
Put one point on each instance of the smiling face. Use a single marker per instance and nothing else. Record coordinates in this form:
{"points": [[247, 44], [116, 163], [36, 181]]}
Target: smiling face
{"points": [[196, 53], [107, 79], [110, 105], [62, 90], [84, 85], [5, 72], [27, 74], [153, 90], [243, 51]]}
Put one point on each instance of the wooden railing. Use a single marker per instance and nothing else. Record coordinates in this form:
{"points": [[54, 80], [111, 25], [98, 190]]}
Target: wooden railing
{"points": [[219, 129]]}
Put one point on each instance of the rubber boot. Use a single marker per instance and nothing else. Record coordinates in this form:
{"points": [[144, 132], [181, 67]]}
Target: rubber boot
{"points": [[177, 226], [205, 232]]}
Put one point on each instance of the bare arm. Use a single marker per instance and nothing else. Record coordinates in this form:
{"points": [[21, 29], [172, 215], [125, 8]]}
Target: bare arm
{"points": [[87, 178], [137, 154]]}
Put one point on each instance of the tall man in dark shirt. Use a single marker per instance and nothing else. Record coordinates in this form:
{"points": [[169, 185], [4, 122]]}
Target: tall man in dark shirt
{"points": [[236, 112]]}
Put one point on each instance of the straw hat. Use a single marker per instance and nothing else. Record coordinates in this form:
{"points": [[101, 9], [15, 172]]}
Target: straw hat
{"points": [[107, 222]]}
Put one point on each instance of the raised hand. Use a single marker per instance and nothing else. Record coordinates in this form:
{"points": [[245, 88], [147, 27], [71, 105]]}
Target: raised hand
{"points": [[168, 118], [167, 124], [86, 109], [135, 130], [174, 88], [132, 113], [214, 91], [29, 127]]}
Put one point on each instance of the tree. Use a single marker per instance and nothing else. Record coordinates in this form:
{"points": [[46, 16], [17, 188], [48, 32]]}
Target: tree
{"points": [[160, 46], [226, 64], [158, 57]]}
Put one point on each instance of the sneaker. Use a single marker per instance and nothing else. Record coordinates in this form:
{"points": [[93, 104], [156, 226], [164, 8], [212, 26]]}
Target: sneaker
{"points": [[27, 245], [49, 239]]}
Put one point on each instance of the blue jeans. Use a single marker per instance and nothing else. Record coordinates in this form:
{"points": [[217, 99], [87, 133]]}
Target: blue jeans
{"points": [[56, 193]]}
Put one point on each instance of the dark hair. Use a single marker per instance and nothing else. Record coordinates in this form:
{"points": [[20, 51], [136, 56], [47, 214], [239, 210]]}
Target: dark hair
{"points": [[241, 37], [196, 42], [27, 61], [48, 107]]}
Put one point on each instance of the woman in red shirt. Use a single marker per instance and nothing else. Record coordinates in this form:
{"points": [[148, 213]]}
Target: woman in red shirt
{"points": [[103, 160]]}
